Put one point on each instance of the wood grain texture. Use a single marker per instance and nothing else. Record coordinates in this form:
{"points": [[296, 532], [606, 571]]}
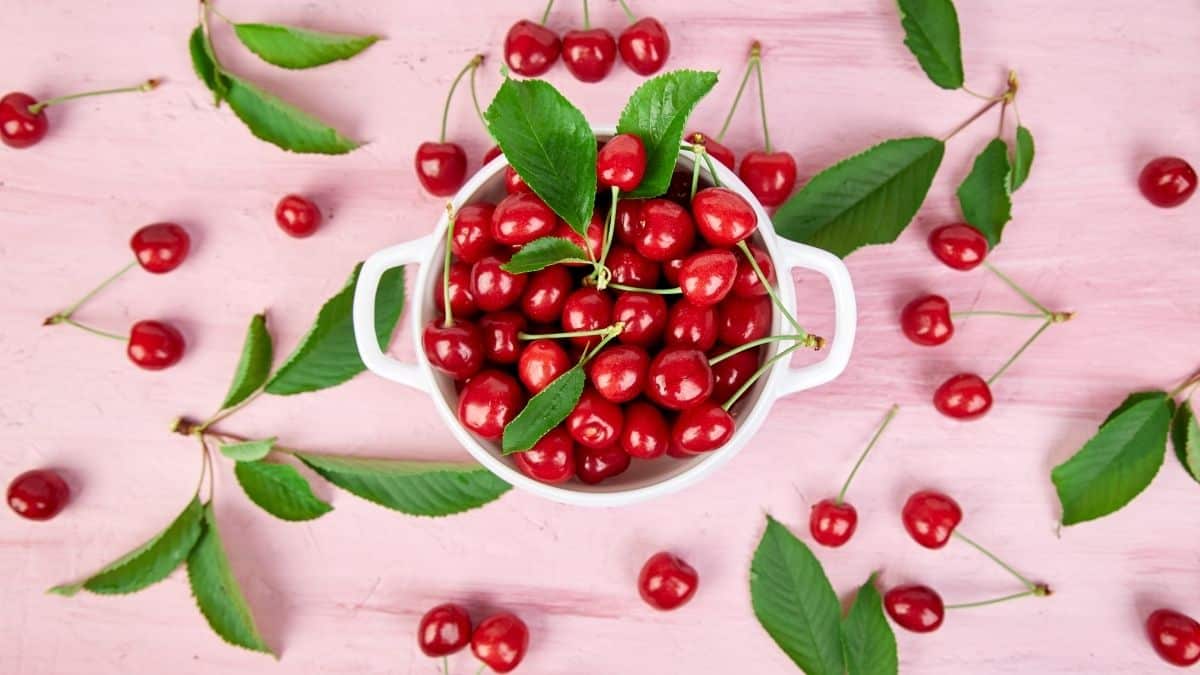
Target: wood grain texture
{"points": [[1106, 86]]}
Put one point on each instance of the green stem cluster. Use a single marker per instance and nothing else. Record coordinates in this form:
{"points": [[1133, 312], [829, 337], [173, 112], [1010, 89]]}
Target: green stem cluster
{"points": [[471, 66], [67, 315], [1048, 317], [1008, 97]]}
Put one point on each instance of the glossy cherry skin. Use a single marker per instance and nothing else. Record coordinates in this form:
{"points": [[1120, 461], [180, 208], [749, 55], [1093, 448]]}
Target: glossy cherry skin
{"points": [[462, 300], [679, 378], [723, 217], [39, 494], [589, 54], [618, 373], [595, 422], [489, 401], [702, 428], [730, 374], [500, 641], [621, 163], [20, 128], [492, 287], [832, 523], [546, 294], [719, 152], [666, 232], [645, 433], [154, 345], [644, 316], [644, 46], [443, 630], [1167, 181], [707, 277], [522, 217], [500, 342], [550, 460], [629, 221], [596, 466], [747, 283], [587, 309], [670, 270], [441, 167], [915, 608], [691, 325], [540, 363], [965, 396], [742, 320], [926, 320], [1175, 636], [769, 175], [930, 518], [297, 216], [513, 183], [632, 268], [456, 350], [530, 48], [958, 246], [595, 235], [491, 154], [473, 232], [667, 582], [161, 247]]}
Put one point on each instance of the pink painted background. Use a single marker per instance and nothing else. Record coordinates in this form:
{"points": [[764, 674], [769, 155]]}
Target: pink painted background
{"points": [[1106, 86]]}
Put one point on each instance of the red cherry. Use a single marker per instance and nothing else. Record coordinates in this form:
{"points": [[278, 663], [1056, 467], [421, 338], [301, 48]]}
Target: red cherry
{"points": [[491, 154], [631, 268], [161, 247], [926, 320], [541, 362], [930, 518], [667, 582], [747, 284], [958, 246], [691, 325], [730, 374], [629, 221], [587, 309], [500, 342], [20, 128], [621, 162], [644, 316], [488, 402], [723, 217], [493, 288], [513, 183], [530, 48], [473, 232], [589, 54], [832, 523], [462, 300], [619, 372], [154, 345], [769, 175], [457, 350], [500, 641], [916, 608], [595, 422], [441, 167], [707, 277], [667, 230], [702, 428], [595, 466], [679, 190], [965, 396], [645, 433], [38, 494], [595, 235], [551, 459], [297, 216], [742, 320], [546, 294], [644, 46], [1167, 181], [1175, 636], [522, 217], [679, 378], [718, 151], [443, 630], [670, 270]]}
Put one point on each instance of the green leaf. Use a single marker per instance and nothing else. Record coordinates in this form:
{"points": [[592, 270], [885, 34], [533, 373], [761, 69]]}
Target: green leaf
{"points": [[550, 144], [984, 196], [931, 34], [282, 124], [795, 603], [327, 355], [657, 113], [255, 364], [865, 199], [205, 65], [217, 592], [291, 47], [1185, 436], [149, 563], [544, 411], [1022, 157], [542, 253], [870, 644], [280, 490], [415, 488], [1118, 462], [248, 451]]}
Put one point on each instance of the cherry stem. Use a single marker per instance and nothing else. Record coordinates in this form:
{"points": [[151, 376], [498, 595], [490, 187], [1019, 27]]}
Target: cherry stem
{"points": [[587, 18], [224, 414], [482, 666], [972, 118], [610, 334], [66, 313], [982, 312], [741, 89], [610, 227], [475, 100], [697, 152], [712, 169], [803, 339], [1003, 110], [1033, 588], [445, 665], [628, 12], [755, 50], [1016, 287], [569, 334], [1009, 96], [891, 414], [94, 331], [471, 65], [757, 374], [449, 321], [1020, 350], [652, 291], [203, 469], [978, 95], [144, 86], [1190, 382], [762, 279], [546, 13], [993, 601], [212, 475]]}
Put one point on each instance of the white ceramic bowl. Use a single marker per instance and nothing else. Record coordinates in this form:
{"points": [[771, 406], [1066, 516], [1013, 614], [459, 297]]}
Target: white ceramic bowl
{"points": [[644, 479]]}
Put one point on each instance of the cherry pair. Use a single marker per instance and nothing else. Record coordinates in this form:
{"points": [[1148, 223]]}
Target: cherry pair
{"points": [[39, 494], [499, 641], [441, 166], [23, 121]]}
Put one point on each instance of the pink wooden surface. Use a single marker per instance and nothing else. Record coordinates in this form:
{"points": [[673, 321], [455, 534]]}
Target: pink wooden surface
{"points": [[1106, 86]]}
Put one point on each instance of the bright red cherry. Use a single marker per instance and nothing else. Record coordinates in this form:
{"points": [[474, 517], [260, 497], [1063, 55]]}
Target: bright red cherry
{"points": [[20, 128], [679, 378], [443, 630], [488, 402], [513, 183], [730, 374], [1175, 636], [667, 582], [958, 246], [589, 54], [457, 350], [926, 320], [645, 433], [500, 641], [618, 373], [491, 154], [595, 235], [154, 345], [1167, 181], [595, 466], [546, 294], [916, 608], [500, 330], [462, 300], [930, 518], [595, 422], [702, 428], [587, 309], [621, 162], [629, 221], [644, 46], [707, 277], [297, 216], [38, 495], [667, 231], [769, 175], [723, 217], [492, 287], [832, 522], [691, 325], [473, 232], [522, 217], [644, 316], [441, 167], [161, 247], [631, 268], [747, 283], [540, 363], [742, 320], [965, 396], [718, 151], [550, 460], [530, 48], [670, 270]]}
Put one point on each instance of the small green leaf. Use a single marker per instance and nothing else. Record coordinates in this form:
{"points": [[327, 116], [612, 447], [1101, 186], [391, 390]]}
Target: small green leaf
{"points": [[255, 364], [415, 488], [327, 355], [205, 65], [291, 47], [282, 124], [544, 411], [1022, 158], [984, 196], [1185, 436], [931, 34], [550, 144], [1118, 462], [869, 641], [657, 113], [542, 253], [217, 592], [248, 451], [795, 603], [865, 199], [280, 490], [149, 563]]}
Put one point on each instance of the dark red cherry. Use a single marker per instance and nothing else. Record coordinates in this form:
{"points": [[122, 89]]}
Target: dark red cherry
{"points": [[546, 294], [730, 374], [595, 235], [959, 246], [723, 217], [20, 128], [769, 175], [488, 402], [550, 460], [595, 422], [644, 316], [1167, 181], [621, 163], [540, 363], [926, 320], [441, 167], [632, 268], [492, 287], [473, 232], [832, 522], [587, 309], [667, 230], [154, 345], [670, 270], [297, 216], [595, 466], [644, 46], [916, 608], [930, 518], [1175, 636], [491, 154], [742, 320], [161, 247], [443, 630], [679, 378], [965, 396], [457, 350], [530, 48], [707, 277], [679, 190], [629, 221], [690, 325], [718, 151], [462, 300], [500, 641], [500, 342], [747, 283], [702, 428], [645, 433], [520, 218], [618, 373], [589, 54], [514, 184], [39, 494], [667, 582]]}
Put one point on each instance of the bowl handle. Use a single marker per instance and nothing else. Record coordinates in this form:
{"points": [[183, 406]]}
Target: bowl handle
{"points": [[379, 363], [845, 316]]}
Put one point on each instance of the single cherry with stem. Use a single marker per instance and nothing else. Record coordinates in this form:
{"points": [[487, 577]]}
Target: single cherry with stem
{"points": [[23, 121], [442, 166], [297, 216], [39, 494], [500, 642], [770, 175], [920, 609], [928, 321], [833, 521], [644, 44], [666, 582], [1174, 636], [1167, 182], [454, 347], [531, 48], [589, 53], [153, 345]]}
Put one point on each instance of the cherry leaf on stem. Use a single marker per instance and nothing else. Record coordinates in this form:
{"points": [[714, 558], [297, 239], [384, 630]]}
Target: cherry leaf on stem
{"points": [[546, 410], [542, 253], [292, 47], [931, 34], [248, 451], [1023, 151], [254, 365], [205, 65], [1185, 437], [984, 194], [282, 124], [870, 644], [280, 490]]}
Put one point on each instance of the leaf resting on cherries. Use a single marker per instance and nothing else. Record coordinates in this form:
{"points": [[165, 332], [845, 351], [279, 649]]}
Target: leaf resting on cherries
{"points": [[217, 592], [292, 47], [984, 194], [931, 33], [542, 253], [544, 411], [656, 113]]}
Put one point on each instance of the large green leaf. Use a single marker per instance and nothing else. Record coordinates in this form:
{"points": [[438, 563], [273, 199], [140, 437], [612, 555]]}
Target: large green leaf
{"points": [[327, 355], [544, 411], [795, 603], [870, 644], [205, 65], [550, 144], [1185, 436], [657, 113], [254, 365], [865, 199], [542, 253], [282, 124], [1118, 462], [931, 34], [416, 488], [149, 563], [1023, 151], [291, 47], [984, 194], [217, 592], [280, 490]]}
